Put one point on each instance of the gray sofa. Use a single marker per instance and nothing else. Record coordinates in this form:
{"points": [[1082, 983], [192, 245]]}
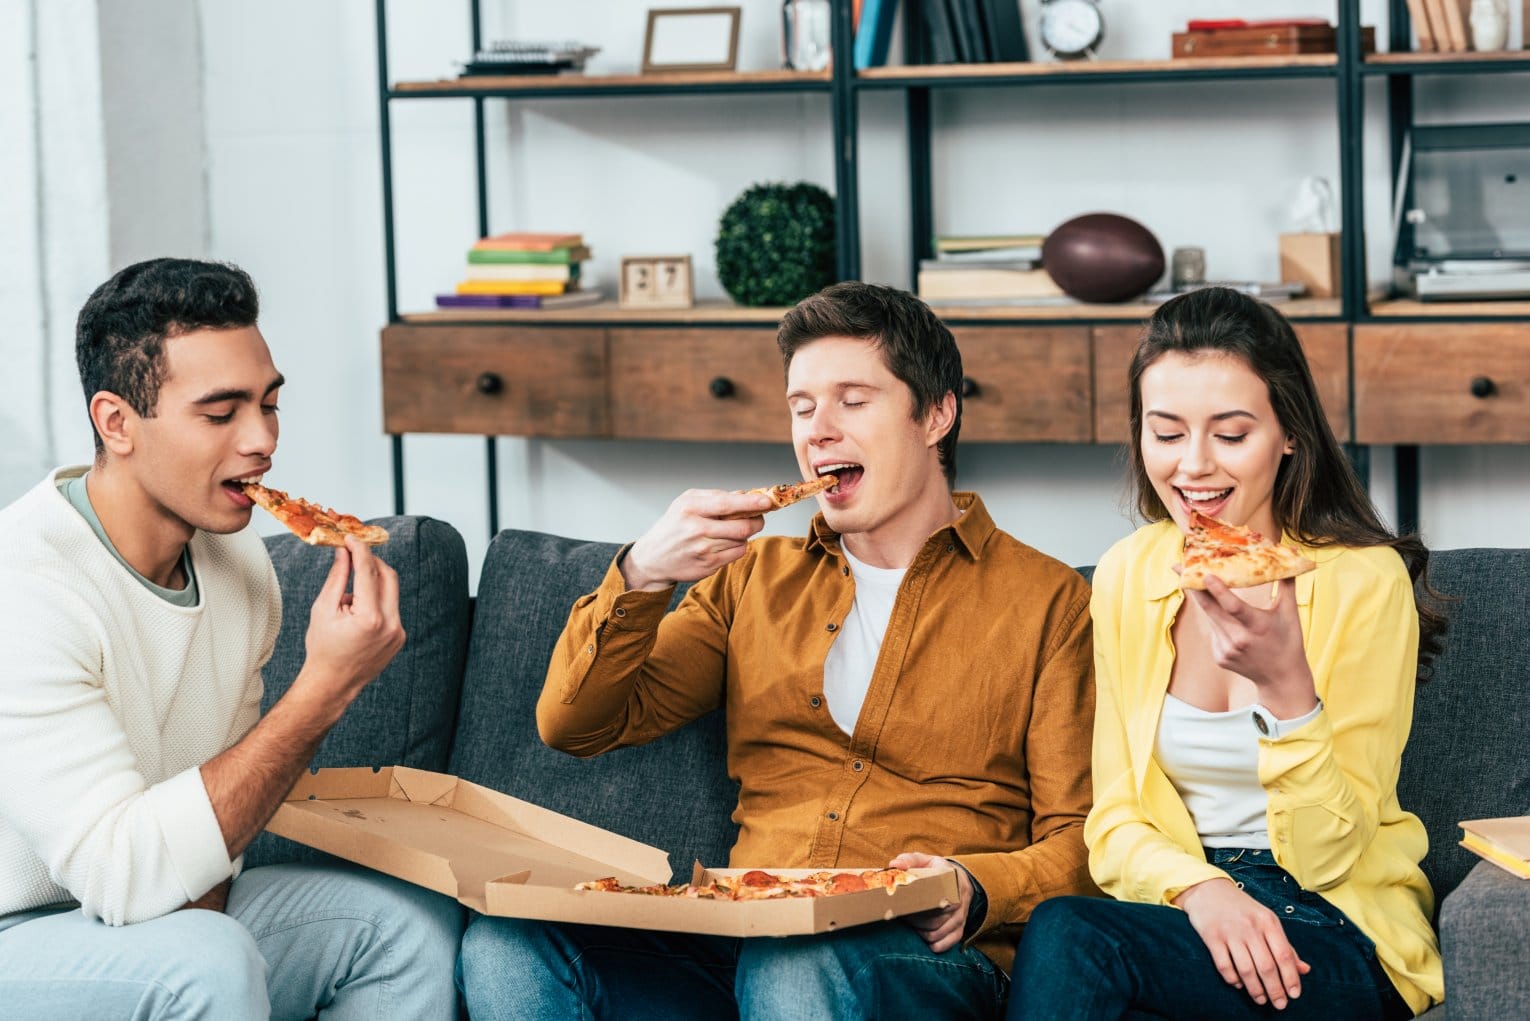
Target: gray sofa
{"points": [[460, 697]]}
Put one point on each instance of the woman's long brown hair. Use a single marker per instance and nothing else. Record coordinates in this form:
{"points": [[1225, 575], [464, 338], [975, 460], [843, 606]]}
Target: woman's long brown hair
{"points": [[1318, 497]]}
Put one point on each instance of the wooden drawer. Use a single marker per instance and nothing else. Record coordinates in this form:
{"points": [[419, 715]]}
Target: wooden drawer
{"points": [[1325, 344], [1442, 383], [1031, 384], [698, 384], [494, 380]]}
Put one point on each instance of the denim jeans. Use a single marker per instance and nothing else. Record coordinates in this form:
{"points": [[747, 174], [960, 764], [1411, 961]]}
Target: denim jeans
{"points": [[295, 940], [1084, 957], [510, 968]]}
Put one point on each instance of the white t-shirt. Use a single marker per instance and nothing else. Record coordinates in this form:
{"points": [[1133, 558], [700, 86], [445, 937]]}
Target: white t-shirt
{"points": [[848, 667]]}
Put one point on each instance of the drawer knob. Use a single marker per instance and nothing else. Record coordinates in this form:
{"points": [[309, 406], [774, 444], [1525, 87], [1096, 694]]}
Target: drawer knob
{"points": [[970, 387], [721, 387], [1482, 386], [489, 383]]}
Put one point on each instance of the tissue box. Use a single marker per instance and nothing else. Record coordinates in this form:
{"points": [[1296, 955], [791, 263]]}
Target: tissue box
{"points": [[1311, 259]]}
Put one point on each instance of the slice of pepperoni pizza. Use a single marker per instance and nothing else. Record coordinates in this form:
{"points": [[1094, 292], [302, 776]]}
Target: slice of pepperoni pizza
{"points": [[1239, 556], [315, 525], [786, 494]]}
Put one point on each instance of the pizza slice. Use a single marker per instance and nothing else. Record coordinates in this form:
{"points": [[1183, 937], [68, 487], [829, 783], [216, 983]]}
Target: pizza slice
{"points": [[315, 525], [1239, 556], [786, 494]]}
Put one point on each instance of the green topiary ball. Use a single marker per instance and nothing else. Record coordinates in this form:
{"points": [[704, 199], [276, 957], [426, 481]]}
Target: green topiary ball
{"points": [[775, 244]]}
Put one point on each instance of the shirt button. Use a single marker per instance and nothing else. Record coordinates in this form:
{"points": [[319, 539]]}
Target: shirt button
{"points": [[1263, 727], [857, 765], [621, 612], [815, 701], [591, 650], [833, 816], [832, 627], [950, 547], [845, 570]]}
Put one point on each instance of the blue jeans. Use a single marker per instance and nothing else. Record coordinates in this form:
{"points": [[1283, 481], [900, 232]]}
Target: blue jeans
{"points": [[295, 941], [1085, 957], [511, 968]]}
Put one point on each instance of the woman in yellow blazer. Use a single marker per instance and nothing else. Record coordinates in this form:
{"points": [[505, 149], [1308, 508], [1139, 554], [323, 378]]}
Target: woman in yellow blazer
{"points": [[1247, 743]]}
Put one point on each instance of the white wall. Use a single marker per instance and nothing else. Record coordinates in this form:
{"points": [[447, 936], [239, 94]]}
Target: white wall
{"points": [[293, 194]]}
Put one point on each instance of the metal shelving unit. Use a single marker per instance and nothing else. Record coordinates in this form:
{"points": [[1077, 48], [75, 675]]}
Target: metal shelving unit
{"points": [[1348, 68]]}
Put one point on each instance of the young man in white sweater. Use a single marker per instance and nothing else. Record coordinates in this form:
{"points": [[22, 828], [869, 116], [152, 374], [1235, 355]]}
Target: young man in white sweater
{"points": [[136, 611]]}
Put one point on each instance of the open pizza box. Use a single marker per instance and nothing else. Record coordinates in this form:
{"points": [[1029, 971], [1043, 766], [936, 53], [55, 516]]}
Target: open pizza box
{"points": [[502, 856]]}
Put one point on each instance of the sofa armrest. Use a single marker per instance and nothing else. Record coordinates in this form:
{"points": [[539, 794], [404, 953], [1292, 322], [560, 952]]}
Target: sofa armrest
{"points": [[1484, 930]]}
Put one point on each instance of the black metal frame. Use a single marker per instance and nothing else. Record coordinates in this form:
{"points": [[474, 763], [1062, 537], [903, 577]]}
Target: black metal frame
{"points": [[1349, 72]]}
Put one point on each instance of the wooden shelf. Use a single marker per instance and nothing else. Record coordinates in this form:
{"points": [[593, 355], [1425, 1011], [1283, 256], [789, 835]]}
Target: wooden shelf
{"points": [[631, 84], [610, 313], [1414, 63], [1301, 65], [1400, 307]]}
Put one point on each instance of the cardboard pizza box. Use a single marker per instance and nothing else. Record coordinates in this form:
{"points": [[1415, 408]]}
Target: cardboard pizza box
{"points": [[500, 855]]}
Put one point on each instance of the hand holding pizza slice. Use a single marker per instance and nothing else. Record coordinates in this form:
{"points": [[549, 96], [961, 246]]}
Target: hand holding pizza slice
{"points": [[315, 525], [1238, 556]]}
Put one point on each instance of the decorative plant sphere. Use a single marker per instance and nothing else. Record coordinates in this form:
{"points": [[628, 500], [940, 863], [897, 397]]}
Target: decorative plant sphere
{"points": [[775, 244]]}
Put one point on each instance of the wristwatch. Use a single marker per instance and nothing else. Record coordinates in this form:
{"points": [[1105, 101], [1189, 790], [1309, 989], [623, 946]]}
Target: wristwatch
{"points": [[1269, 727], [1071, 29]]}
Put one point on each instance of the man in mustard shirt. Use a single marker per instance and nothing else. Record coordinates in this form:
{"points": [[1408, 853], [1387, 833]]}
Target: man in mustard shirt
{"points": [[905, 684]]}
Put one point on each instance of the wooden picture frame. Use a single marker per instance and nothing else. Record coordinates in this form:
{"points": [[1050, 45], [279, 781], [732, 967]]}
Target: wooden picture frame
{"points": [[691, 39], [657, 281]]}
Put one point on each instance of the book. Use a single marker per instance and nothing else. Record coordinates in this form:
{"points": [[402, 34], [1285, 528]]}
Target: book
{"points": [[978, 242], [524, 241], [1006, 35], [570, 299], [939, 40], [874, 34], [967, 51], [555, 272], [577, 253], [960, 265], [1010, 253], [987, 283], [1504, 842], [1421, 29], [511, 287]]}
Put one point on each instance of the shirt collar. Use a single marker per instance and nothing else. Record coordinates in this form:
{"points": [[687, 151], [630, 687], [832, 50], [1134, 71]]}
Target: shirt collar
{"points": [[970, 531], [1168, 548]]}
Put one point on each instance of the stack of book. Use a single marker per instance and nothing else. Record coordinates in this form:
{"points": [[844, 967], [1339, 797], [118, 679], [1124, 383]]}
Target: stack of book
{"points": [[1504, 842], [988, 269], [521, 270]]}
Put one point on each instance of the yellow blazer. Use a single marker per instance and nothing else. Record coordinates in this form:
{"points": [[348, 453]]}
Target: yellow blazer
{"points": [[1334, 821]]}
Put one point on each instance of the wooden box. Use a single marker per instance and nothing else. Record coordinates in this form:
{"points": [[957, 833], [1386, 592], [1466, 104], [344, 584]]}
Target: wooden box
{"points": [[1265, 40]]}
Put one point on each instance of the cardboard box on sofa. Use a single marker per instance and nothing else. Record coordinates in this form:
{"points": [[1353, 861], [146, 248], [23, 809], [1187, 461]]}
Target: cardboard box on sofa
{"points": [[502, 856]]}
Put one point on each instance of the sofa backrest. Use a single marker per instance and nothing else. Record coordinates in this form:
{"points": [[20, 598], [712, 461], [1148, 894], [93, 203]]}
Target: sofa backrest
{"points": [[405, 716], [673, 793], [1467, 758]]}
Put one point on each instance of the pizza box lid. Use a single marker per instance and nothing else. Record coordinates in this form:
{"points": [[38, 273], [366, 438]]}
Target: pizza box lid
{"points": [[500, 855]]}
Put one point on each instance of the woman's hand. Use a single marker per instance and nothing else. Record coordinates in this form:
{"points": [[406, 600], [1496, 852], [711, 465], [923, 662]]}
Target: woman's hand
{"points": [[1246, 941], [1263, 645]]}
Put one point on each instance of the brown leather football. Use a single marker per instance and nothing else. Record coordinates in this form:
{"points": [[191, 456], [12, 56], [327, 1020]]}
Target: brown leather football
{"points": [[1103, 257]]}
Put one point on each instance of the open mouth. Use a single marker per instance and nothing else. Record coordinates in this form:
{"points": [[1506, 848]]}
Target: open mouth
{"points": [[1207, 501], [849, 475], [235, 489]]}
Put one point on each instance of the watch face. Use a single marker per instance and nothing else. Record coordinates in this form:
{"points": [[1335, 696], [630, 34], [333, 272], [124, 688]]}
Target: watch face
{"points": [[1071, 27]]}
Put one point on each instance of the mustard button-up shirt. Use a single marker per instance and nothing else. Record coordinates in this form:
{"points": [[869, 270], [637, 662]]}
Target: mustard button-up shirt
{"points": [[972, 743], [1333, 816]]}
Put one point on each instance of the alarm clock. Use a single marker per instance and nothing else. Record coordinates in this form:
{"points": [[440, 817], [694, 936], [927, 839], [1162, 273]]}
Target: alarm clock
{"points": [[1071, 29]]}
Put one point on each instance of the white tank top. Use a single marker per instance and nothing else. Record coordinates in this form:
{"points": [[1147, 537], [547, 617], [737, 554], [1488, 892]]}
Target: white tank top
{"points": [[1212, 759]]}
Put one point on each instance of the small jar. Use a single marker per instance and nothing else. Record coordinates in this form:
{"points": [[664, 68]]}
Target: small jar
{"points": [[805, 35], [1187, 268]]}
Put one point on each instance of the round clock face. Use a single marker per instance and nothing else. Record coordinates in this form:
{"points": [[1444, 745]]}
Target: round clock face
{"points": [[1070, 28]]}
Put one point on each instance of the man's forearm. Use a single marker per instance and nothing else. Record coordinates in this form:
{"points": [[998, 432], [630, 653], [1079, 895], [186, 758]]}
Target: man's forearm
{"points": [[246, 783]]}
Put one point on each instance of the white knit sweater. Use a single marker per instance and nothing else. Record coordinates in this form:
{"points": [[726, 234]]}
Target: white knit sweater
{"points": [[111, 699]]}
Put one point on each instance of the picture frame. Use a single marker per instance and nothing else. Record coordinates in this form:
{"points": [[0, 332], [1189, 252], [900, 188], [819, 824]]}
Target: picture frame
{"points": [[657, 281], [691, 39]]}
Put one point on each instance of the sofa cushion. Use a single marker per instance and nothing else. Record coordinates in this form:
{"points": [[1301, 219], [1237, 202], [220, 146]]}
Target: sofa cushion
{"points": [[673, 793], [1465, 758], [406, 716]]}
